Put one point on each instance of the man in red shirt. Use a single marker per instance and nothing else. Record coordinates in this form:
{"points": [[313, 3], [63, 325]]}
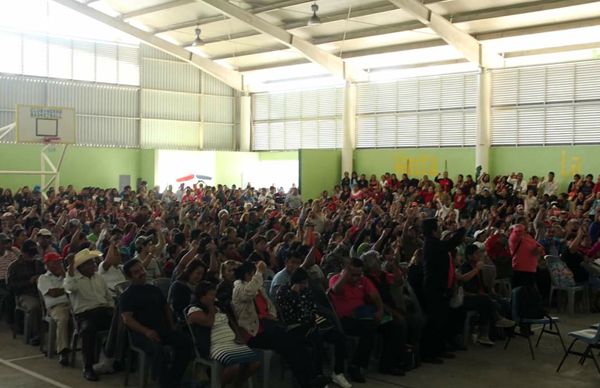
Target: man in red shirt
{"points": [[445, 183], [350, 294]]}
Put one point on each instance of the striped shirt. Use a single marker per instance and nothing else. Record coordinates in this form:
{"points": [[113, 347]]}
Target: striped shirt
{"points": [[6, 259]]}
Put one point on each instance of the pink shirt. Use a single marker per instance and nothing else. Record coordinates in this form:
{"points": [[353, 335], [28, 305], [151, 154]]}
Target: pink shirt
{"points": [[525, 250], [351, 296]]}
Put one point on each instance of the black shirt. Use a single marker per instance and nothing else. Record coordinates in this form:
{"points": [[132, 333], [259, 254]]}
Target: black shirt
{"points": [[180, 296], [147, 304], [573, 261], [475, 285], [437, 261]]}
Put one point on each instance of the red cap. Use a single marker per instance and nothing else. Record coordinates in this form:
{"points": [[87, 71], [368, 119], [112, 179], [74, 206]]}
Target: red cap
{"points": [[52, 256]]}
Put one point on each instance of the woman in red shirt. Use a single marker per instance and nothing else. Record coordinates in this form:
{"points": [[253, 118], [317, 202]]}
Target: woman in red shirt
{"points": [[427, 194], [525, 251]]}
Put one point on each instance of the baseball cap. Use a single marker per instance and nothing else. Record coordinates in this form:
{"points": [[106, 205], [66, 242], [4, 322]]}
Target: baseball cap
{"points": [[52, 256]]}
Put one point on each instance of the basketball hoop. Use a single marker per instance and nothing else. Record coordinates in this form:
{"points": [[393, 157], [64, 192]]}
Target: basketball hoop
{"points": [[50, 142]]}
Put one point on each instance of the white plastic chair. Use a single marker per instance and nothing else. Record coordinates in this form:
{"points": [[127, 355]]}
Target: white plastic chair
{"points": [[557, 285]]}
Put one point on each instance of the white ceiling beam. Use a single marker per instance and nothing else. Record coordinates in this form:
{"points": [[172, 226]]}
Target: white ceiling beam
{"points": [[539, 29], [552, 50], [232, 78], [371, 9], [487, 13], [155, 8], [455, 37], [333, 64], [212, 19], [481, 36]]}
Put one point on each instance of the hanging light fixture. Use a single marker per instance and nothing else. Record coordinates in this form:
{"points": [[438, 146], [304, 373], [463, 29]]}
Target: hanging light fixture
{"points": [[198, 41], [314, 20]]}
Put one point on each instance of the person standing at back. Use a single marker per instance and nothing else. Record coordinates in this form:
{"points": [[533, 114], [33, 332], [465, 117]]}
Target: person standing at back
{"points": [[525, 251], [439, 277]]}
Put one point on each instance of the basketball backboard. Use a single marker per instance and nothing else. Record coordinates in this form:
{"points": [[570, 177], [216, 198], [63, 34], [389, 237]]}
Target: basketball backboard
{"points": [[37, 124]]}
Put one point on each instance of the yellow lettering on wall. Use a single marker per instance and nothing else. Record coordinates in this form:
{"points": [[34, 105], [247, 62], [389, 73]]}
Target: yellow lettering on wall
{"points": [[574, 165], [563, 163], [417, 166]]}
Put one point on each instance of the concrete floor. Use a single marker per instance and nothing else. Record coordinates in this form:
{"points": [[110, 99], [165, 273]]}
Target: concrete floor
{"points": [[23, 366]]}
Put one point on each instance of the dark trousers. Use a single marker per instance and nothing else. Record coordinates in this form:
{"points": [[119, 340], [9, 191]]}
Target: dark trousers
{"points": [[436, 309], [393, 345], [338, 340], [365, 330], [483, 304], [89, 324], [317, 341], [290, 345], [7, 303], [521, 278], [169, 373]]}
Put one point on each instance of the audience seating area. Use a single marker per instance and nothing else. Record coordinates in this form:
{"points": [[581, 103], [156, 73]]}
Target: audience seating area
{"points": [[213, 285]]}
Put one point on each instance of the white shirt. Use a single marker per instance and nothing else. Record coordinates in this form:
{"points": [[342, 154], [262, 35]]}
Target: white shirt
{"points": [[112, 276], [550, 188], [47, 282], [519, 187], [87, 293]]}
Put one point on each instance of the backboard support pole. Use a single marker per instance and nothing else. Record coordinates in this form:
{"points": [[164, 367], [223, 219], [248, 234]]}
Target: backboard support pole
{"points": [[48, 168]]}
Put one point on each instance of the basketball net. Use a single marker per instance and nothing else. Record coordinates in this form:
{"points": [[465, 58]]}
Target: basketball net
{"points": [[51, 142]]}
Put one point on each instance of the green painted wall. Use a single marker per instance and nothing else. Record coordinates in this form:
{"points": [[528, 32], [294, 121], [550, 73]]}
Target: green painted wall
{"points": [[278, 155], [415, 162], [564, 161], [147, 166], [319, 170], [82, 166], [229, 166]]}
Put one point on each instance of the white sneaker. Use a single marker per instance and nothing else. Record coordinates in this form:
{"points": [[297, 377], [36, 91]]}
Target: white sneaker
{"points": [[103, 368], [340, 380], [105, 365], [505, 323], [485, 341]]}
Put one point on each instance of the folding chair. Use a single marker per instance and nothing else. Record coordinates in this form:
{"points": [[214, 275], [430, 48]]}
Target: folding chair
{"points": [[591, 337], [551, 322]]}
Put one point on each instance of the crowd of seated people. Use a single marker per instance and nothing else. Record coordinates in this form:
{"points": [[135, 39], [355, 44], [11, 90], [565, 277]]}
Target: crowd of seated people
{"points": [[374, 261]]}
